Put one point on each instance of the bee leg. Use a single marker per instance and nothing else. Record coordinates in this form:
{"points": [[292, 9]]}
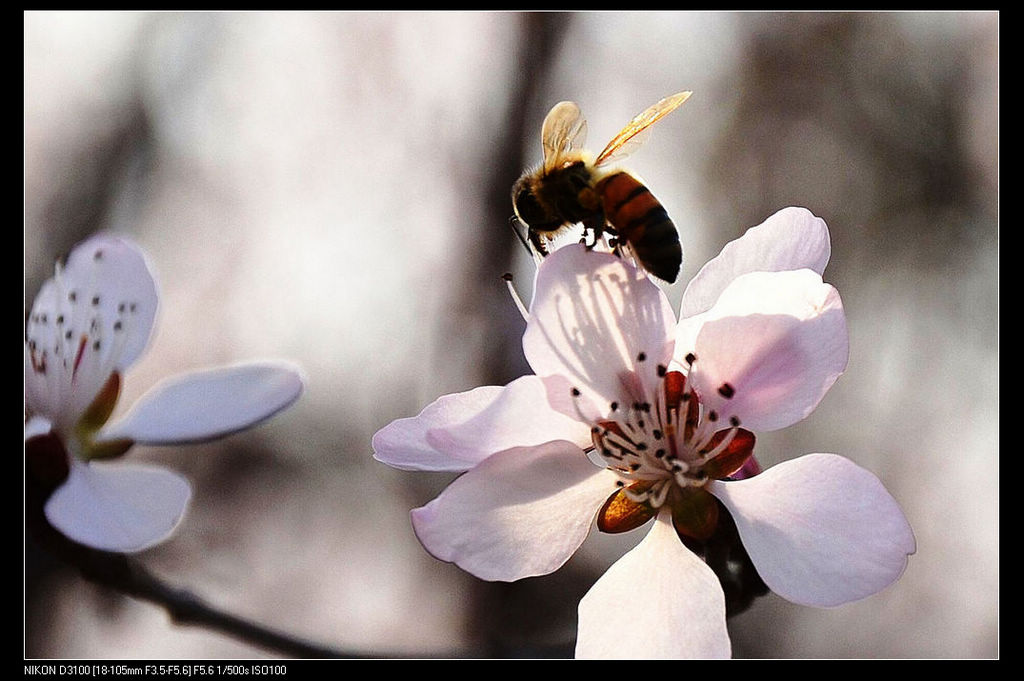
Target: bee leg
{"points": [[615, 246], [537, 239], [518, 228], [595, 226]]}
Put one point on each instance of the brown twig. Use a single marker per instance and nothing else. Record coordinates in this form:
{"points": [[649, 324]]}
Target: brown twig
{"points": [[125, 574]]}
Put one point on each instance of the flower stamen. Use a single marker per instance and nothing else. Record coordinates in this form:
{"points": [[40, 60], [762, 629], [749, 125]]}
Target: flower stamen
{"points": [[726, 441], [669, 445], [82, 342], [515, 296]]}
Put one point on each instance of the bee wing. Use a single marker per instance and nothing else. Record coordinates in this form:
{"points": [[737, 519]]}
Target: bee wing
{"points": [[630, 137], [564, 130]]}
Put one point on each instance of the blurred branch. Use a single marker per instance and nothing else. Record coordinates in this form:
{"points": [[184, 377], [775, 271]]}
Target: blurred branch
{"points": [[126, 575], [540, 36], [509, 619], [123, 574]]}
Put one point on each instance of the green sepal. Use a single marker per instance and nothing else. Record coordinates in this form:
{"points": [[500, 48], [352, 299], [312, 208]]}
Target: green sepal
{"points": [[694, 512], [108, 449], [95, 417], [102, 405]]}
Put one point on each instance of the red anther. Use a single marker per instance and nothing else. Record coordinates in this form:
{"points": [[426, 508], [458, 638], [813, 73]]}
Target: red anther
{"points": [[733, 456], [675, 386], [622, 514]]}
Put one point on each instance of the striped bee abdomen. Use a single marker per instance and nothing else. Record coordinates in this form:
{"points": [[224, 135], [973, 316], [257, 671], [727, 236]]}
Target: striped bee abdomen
{"points": [[633, 213]]}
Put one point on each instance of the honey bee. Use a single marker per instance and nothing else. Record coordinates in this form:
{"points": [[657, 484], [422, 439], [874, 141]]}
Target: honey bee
{"points": [[571, 187]]}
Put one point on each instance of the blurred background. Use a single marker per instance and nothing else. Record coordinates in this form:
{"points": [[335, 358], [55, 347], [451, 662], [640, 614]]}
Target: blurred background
{"points": [[333, 188]]}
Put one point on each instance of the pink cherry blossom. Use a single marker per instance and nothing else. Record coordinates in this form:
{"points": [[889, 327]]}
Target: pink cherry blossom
{"points": [[632, 416], [88, 325]]}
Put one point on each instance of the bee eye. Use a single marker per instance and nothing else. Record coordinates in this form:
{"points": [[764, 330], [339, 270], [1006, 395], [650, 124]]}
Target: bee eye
{"points": [[526, 206]]}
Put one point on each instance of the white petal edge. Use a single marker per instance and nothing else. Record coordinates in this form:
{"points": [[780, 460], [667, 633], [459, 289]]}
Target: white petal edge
{"points": [[208, 404], [118, 507], [820, 530], [403, 442], [601, 324], [791, 239], [779, 339], [520, 417], [659, 601], [520, 513]]}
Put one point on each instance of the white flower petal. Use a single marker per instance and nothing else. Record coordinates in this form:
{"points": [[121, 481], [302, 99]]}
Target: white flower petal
{"points": [[118, 507], [93, 318], [659, 601], [791, 239], [520, 513], [208, 404], [519, 417], [600, 323], [115, 271], [820, 530], [403, 443], [779, 340]]}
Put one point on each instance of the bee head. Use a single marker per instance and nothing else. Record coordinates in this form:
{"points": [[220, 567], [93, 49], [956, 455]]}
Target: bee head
{"points": [[525, 204]]}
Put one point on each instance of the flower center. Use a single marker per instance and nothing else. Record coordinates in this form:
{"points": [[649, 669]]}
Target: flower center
{"points": [[665, 452]]}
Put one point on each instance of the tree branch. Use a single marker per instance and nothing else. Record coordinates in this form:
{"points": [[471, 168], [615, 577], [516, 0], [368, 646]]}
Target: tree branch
{"points": [[125, 574]]}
